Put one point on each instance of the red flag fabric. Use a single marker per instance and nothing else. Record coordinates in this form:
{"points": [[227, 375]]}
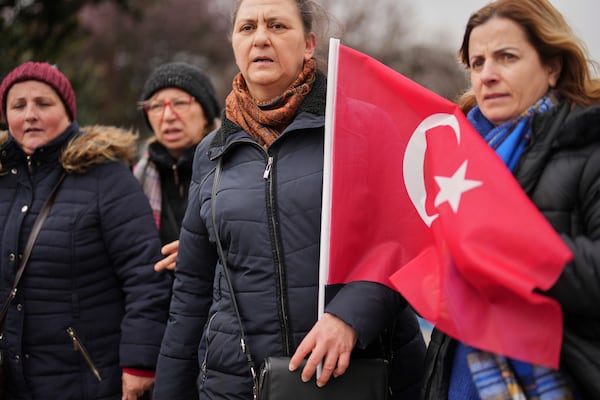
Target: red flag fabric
{"points": [[420, 203]]}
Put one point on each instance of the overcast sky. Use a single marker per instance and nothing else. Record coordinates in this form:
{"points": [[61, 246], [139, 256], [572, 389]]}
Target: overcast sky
{"points": [[444, 20]]}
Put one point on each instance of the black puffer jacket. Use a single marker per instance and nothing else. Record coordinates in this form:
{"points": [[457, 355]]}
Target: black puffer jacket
{"points": [[560, 171], [268, 212], [91, 268]]}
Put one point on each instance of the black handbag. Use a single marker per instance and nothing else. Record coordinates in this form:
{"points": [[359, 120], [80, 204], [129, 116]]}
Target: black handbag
{"points": [[35, 230], [364, 379]]}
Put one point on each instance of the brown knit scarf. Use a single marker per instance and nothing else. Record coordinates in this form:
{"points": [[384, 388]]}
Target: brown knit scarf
{"points": [[264, 121]]}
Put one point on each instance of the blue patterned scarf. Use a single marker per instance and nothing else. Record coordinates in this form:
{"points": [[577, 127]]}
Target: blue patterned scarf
{"points": [[497, 377], [510, 138]]}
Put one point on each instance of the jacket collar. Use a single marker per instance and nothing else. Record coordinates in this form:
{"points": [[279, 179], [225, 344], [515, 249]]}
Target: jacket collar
{"points": [[11, 152], [77, 150], [159, 155], [568, 126]]}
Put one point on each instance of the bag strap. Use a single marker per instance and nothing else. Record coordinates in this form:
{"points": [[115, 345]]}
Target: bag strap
{"points": [[35, 230], [234, 303]]}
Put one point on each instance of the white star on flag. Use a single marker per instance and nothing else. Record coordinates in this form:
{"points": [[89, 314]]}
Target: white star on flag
{"points": [[451, 189]]}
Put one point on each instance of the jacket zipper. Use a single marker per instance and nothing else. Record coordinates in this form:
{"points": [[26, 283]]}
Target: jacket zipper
{"points": [[282, 306], [203, 367], [78, 346], [267, 173]]}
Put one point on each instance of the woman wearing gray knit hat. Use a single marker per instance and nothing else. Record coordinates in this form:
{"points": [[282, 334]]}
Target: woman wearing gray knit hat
{"points": [[179, 105]]}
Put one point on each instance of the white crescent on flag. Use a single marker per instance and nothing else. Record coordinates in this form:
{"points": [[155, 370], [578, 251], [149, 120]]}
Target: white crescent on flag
{"points": [[451, 188]]}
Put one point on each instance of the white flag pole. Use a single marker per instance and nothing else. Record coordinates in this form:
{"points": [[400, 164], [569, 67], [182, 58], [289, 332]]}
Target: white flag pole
{"points": [[334, 45]]}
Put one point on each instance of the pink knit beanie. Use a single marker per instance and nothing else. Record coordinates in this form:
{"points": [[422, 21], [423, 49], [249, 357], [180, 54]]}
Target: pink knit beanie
{"points": [[42, 72]]}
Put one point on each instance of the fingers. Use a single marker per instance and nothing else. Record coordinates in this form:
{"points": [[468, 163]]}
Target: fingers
{"points": [[328, 367], [303, 350], [334, 365], [167, 263], [170, 248], [321, 352], [130, 394], [170, 251], [329, 342], [343, 363], [313, 362], [134, 386]]}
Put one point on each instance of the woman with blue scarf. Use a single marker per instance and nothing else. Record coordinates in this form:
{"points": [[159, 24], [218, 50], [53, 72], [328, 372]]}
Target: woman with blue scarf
{"points": [[534, 100]]}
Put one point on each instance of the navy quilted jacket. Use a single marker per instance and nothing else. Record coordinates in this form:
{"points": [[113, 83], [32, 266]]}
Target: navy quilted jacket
{"points": [[268, 211], [90, 277]]}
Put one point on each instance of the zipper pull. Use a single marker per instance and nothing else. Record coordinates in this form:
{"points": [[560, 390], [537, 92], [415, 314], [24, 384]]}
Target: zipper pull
{"points": [[268, 168], [29, 165], [73, 338], [78, 346]]}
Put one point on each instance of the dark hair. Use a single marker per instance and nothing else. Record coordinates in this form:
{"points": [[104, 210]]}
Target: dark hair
{"points": [[553, 39], [306, 8]]}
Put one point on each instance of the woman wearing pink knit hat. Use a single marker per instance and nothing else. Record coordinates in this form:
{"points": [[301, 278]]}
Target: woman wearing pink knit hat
{"points": [[86, 317]]}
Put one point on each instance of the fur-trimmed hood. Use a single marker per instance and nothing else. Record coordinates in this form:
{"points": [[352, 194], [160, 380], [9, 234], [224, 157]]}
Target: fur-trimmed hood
{"points": [[97, 145], [93, 145]]}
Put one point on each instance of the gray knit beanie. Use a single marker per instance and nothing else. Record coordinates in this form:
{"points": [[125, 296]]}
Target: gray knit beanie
{"points": [[187, 78]]}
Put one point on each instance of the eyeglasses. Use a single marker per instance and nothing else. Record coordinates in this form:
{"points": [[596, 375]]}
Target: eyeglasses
{"points": [[156, 107]]}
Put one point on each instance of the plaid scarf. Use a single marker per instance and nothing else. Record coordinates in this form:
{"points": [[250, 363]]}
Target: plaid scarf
{"points": [[264, 121], [147, 175], [499, 378], [510, 138]]}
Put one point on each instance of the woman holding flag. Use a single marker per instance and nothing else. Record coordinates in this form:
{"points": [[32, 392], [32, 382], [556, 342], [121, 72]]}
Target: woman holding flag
{"points": [[256, 192], [534, 100]]}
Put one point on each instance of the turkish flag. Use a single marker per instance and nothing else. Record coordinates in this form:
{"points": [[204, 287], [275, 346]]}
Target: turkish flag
{"points": [[416, 200]]}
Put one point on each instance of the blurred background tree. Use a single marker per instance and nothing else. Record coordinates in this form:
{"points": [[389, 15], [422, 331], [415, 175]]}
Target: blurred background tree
{"points": [[108, 47]]}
